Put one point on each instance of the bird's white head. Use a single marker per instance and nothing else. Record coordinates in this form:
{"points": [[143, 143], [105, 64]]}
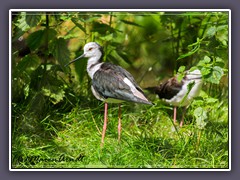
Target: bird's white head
{"points": [[92, 49]]}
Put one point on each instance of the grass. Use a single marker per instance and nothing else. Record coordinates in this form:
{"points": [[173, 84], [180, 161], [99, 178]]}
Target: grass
{"points": [[149, 139]]}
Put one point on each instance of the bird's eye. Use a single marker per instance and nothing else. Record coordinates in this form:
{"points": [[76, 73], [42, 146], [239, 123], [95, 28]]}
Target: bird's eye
{"points": [[90, 49]]}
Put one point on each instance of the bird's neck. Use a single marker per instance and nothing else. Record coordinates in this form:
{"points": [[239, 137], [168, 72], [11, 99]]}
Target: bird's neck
{"points": [[93, 65]]}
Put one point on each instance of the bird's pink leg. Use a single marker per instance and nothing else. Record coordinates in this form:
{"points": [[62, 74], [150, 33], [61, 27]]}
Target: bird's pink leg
{"points": [[119, 122], [105, 123], [183, 114], [174, 114]]}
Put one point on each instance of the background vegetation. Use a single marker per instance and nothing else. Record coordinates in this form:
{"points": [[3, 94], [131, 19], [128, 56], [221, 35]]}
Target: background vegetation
{"points": [[56, 122]]}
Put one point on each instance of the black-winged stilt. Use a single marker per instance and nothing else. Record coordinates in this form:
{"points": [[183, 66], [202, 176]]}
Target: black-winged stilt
{"points": [[179, 93], [110, 83]]}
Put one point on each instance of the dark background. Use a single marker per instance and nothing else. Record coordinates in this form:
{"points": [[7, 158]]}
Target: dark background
{"points": [[123, 4]]}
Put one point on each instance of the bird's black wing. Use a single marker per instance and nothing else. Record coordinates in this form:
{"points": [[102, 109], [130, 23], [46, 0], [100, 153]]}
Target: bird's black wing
{"points": [[108, 81], [169, 89]]}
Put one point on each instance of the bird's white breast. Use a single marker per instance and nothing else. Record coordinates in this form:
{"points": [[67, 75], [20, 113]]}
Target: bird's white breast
{"points": [[93, 66]]}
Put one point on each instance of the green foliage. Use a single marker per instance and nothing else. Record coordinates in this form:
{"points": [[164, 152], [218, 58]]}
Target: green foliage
{"points": [[152, 46], [59, 50], [33, 18], [201, 116]]}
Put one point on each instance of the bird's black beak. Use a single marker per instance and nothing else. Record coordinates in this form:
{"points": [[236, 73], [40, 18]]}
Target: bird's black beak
{"points": [[82, 56]]}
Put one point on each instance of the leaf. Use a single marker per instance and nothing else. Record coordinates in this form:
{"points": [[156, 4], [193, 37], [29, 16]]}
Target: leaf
{"points": [[193, 68], [50, 33], [108, 37], [38, 38], [222, 34], [102, 28], [210, 32], [29, 63], [180, 77], [35, 40], [22, 24], [205, 71], [181, 69], [206, 59], [201, 117], [60, 51], [205, 62], [215, 75], [181, 74], [195, 49], [219, 62], [54, 92], [131, 23], [75, 21], [32, 19], [211, 100], [70, 36]]}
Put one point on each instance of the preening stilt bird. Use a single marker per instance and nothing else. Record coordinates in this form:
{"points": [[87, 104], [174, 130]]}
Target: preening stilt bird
{"points": [[179, 93]]}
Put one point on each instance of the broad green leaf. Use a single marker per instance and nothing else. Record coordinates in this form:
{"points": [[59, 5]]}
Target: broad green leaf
{"points": [[29, 63], [220, 62], [222, 27], [50, 33], [22, 24], [222, 34], [39, 38], [211, 31], [181, 69], [201, 117], [206, 59], [32, 19], [102, 28], [60, 51], [218, 59], [205, 71], [80, 69], [205, 62], [181, 73], [108, 37], [180, 77], [56, 93], [193, 68], [215, 75], [211, 100], [35, 40]]}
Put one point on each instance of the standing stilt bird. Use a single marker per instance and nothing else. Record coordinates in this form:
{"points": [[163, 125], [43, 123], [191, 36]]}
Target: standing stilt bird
{"points": [[110, 83], [179, 93]]}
